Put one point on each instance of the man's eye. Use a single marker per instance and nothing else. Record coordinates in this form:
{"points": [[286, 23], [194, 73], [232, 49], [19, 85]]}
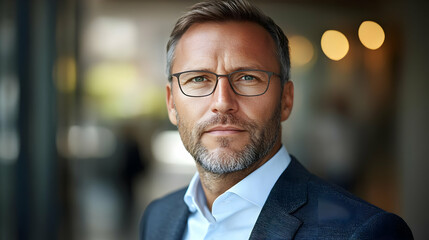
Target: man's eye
{"points": [[247, 78], [198, 79]]}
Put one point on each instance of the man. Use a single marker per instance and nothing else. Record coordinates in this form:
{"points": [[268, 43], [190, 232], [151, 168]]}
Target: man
{"points": [[229, 91]]}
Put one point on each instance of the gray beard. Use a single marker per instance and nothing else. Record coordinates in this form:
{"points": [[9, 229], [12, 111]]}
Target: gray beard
{"points": [[228, 161]]}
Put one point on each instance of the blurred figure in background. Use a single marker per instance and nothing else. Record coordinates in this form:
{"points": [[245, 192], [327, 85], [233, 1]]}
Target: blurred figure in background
{"points": [[229, 91], [134, 164]]}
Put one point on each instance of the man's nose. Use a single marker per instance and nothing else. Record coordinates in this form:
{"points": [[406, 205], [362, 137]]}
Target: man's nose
{"points": [[223, 98]]}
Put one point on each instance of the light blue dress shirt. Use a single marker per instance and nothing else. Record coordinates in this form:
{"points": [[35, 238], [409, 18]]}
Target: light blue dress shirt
{"points": [[234, 213]]}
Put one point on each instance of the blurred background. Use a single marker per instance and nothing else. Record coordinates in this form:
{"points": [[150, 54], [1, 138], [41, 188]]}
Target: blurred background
{"points": [[85, 142]]}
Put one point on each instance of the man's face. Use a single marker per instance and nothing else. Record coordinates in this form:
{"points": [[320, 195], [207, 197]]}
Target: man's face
{"points": [[226, 132]]}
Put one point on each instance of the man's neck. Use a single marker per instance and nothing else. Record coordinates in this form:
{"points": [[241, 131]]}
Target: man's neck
{"points": [[214, 184]]}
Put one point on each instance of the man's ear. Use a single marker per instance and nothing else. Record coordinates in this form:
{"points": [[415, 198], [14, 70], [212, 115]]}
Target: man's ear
{"points": [[287, 100], [170, 104]]}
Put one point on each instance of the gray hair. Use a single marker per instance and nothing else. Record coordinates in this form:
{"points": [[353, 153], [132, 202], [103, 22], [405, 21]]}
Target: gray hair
{"points": [[230, 10]]}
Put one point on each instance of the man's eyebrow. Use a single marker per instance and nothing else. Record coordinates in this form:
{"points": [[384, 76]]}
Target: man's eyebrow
{"points": [[204, 69], [256, 67], [247, 67], [186, 69]]}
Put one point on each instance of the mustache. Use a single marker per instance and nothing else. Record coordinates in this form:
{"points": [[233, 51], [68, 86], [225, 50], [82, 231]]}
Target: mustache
{"points": [[224, 119]]}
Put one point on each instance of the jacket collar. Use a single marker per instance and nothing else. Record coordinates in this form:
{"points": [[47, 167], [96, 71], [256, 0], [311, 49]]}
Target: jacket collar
{"points": [[174, 223], [178, 225], [276, 220]]}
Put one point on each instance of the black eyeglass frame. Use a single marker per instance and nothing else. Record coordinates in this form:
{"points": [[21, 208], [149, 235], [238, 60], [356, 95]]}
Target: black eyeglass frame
{"points": [[177, 75]]}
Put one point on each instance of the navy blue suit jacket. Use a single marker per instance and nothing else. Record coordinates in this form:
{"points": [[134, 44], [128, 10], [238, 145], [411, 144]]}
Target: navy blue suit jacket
{"points": [[300, 206]]}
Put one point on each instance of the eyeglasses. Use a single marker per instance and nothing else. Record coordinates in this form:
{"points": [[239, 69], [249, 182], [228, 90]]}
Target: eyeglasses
{"points": [[247, 83]]}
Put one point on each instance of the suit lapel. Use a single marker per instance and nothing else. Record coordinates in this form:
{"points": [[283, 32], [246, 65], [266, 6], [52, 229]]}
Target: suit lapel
{"points": [[172, 219], [276, 220], [177, 223]]}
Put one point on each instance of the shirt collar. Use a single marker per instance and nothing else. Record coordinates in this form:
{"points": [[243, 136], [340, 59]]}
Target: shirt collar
{"points": [[254, 188], [194, 193]]}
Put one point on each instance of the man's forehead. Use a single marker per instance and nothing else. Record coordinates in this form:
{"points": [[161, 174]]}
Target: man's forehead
{"points": [[228, 29], [230, 41]]}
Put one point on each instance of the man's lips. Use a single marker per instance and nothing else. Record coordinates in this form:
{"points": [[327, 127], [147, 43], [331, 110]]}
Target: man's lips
{"points": [[224, 130]]}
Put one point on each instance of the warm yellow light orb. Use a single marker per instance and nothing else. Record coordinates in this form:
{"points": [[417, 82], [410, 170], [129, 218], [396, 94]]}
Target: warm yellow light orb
{"points": [[334, 44], [301, 51], [371, 35]]}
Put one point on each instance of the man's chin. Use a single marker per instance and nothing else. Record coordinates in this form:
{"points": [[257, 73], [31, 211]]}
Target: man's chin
{"points": [[225, 160], [225, 144], [224, 152]]}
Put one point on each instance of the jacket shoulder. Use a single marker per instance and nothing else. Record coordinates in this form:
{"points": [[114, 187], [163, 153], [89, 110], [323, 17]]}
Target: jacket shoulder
{"points": [[343, 214], [383, 225]]}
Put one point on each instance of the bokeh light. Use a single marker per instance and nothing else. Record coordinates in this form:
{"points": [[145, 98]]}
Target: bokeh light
{"points": [[302, 51], [334, 44], [119, 92], [371, 35], [66, 74]]}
